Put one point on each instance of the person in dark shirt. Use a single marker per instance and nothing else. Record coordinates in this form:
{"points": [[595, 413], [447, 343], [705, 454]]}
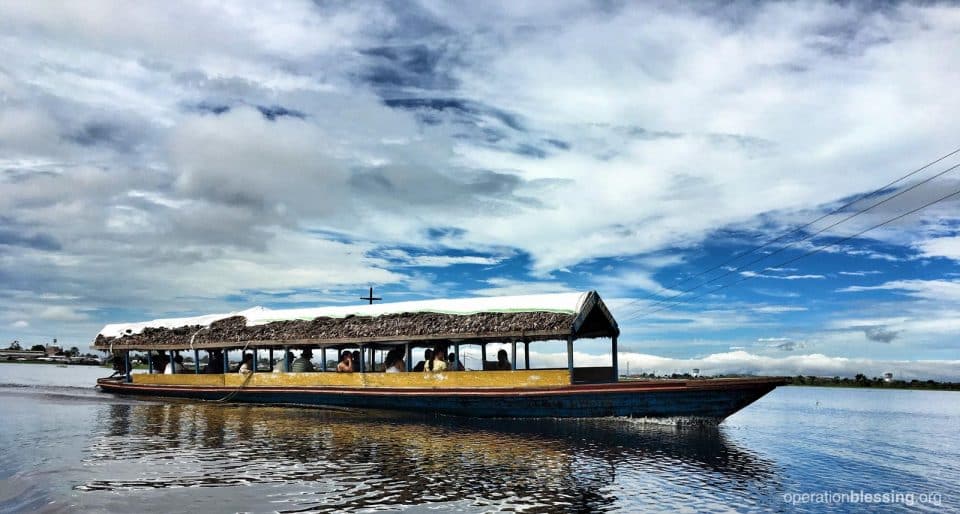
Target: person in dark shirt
{"points": [[502, 362], [455, 365], [302, 364], [214, 362], [427, 357]]}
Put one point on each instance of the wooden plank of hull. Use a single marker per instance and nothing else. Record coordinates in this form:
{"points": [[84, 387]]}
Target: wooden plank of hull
{"points": [[712, 399], [459, 379]]}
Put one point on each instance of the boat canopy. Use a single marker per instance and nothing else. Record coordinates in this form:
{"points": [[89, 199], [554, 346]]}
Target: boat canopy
{"points": [[465, 320]]}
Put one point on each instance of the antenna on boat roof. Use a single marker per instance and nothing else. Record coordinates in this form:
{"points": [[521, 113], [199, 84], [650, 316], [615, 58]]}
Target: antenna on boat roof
{"points": [[370, 297]]}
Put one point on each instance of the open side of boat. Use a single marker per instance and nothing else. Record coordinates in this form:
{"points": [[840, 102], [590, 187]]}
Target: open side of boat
{"points": [[567, 392]]}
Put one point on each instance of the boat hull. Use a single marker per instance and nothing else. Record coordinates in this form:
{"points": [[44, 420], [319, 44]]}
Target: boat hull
{"points": [[705, 399]]}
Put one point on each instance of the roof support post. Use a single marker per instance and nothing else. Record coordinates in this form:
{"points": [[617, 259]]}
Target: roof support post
{"points": [[226, 361], [323, 357], [570, 356], [172, 363], [408, 365], [149, 361], [253, 368], [270, 358], [526, 354], [513, 355], [196, 361], [483, 356], [613, 352], [362, 367], [456, 357], [126, 357]]}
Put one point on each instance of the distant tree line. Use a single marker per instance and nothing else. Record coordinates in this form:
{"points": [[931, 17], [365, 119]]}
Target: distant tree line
{"points": [[862, 380]]}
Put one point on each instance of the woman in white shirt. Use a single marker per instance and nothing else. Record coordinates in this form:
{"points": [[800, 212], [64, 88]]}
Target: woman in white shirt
{"points": [[247, 365], [439, 361], [174, 367]]}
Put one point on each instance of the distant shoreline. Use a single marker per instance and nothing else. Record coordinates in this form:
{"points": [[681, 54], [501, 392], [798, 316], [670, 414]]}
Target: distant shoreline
{"points": [[57, 362], [874, 383], [860, 381]]}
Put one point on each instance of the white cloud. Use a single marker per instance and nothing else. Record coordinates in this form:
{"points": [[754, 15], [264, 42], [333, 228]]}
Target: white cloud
{"points": [[941, 290], [438, 261], [508, 287], [60, 313], [859, 273], [948, 247], [20, 324], [777, 309], [753, 274]]}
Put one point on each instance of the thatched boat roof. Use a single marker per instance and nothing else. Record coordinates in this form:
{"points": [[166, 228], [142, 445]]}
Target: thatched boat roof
{"points": [[505, 318]]}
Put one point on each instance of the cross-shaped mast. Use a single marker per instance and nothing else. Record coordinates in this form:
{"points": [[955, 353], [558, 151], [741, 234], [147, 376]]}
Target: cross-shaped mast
{"points": [[370, 297]]}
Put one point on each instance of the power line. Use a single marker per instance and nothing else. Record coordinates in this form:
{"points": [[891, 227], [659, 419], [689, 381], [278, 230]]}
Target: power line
{"points": [[810, 236], [800, 228], [813, 251]]}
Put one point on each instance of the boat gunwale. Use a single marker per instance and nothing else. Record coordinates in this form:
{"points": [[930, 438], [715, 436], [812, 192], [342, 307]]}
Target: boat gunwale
{"points": [[611, 387]]}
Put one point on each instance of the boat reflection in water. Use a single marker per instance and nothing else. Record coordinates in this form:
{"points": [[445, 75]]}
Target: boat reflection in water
{"points": [[290, 459]]}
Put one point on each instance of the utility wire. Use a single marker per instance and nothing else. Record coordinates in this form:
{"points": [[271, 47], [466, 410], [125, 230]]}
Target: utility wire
{"points": [[810, 236], [800, 228], [811, 252]]}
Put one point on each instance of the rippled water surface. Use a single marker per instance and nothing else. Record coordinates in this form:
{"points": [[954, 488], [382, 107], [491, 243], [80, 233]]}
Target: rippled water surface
{"points": [[66, 447]]}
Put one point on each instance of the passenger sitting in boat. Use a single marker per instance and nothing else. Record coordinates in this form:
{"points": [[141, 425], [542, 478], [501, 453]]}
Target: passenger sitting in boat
{"points": [[502, 362], [439, 362], [214, 362], [159, 364], [120, 365], [174, 367], [395, 361], [247, 365], [427, 357], [356, 360], [455, 365], [302, 364], [346, 362]]}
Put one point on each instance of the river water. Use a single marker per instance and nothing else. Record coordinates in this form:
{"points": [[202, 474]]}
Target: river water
{"points": [[64, 446]]}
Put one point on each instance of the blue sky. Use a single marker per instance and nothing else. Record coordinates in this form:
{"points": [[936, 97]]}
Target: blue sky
{"points": [[186, 159]]}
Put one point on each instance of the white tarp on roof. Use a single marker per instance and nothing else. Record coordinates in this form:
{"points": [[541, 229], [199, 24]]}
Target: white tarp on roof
{"points": [[562, 303]]}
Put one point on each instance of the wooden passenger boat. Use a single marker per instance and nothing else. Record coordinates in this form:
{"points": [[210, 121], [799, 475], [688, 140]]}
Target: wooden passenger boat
{"points": [[573, 391]]}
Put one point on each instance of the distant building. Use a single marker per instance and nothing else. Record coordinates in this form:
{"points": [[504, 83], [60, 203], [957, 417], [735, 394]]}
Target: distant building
{"points": [[696, 372], [888, 377], [53, 350]]}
